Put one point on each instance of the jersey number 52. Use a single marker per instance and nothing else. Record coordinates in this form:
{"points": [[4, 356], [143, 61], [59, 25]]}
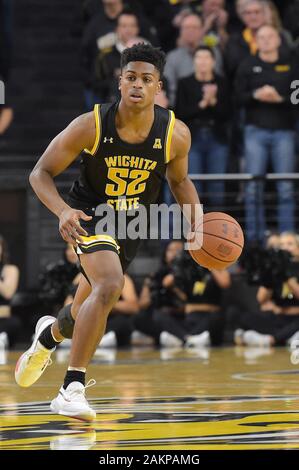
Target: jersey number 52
{"points": [[122, 187]]}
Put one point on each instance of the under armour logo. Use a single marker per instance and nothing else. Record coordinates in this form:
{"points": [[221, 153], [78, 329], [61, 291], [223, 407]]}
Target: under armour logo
{"points": [[157, 144], [108, 139]]}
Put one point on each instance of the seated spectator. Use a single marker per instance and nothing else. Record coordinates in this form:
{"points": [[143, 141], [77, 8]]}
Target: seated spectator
{"points": [[204, 321], [56, 281], [179, 62], [279, 300], [263, 88], [9, 280], [203, 104], [120, 321], [159, 294]]}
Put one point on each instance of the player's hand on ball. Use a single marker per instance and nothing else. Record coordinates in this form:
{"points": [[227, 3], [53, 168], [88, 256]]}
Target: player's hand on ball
{"points": [[69, 225]]}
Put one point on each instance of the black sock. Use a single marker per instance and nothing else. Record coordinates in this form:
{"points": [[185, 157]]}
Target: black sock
{"points": [[46, 338], [74, 376]]}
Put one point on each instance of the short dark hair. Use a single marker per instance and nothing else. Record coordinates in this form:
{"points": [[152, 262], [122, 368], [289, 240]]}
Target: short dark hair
{"points": [[205, 48], [144, 53]]}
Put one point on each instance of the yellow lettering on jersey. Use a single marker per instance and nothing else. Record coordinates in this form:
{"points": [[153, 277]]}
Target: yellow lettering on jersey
{"points": [[147, 163], [126, 160], [111, 161], [199, 288], [130, 161], [157, 144], [135, 162], [124, 204], [152, 166]]}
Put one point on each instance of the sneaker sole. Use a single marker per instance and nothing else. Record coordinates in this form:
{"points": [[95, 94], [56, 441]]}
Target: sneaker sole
{"points": [[40, 323], [81, 417]]}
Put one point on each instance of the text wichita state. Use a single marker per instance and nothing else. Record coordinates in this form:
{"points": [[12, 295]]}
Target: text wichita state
{"points": [[127, 176]]}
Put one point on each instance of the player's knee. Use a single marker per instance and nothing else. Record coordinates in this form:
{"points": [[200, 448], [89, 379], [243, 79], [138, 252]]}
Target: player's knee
{"points": [[66, 322], [108, 290]]}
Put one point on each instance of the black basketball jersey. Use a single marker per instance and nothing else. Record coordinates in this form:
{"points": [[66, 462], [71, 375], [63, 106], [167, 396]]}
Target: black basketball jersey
{"points": [[121, 174]]}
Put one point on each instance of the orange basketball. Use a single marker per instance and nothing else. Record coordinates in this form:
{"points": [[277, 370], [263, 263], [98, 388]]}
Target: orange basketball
{"points": [[223, 241]]}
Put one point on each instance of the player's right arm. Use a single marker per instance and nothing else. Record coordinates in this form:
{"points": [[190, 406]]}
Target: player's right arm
{"points": [[61, 152]]}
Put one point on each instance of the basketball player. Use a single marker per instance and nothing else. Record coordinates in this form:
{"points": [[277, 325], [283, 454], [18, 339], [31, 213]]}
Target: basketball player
{"points": [[126, 148]]}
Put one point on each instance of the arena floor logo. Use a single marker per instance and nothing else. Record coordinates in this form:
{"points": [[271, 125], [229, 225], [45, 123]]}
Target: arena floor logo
{"points": [[156, 423]]}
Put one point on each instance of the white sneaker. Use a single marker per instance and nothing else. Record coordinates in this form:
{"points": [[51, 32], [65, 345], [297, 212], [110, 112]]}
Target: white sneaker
{"points": [[34, 361], [253, 338], [238, 337], [72, 402], [293, 341], [109, 340], [4, 340], [140, 339], [3, 348], [169, 341], [199, 341]]}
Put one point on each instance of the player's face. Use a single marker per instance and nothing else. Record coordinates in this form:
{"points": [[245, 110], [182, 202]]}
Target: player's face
{"points": [[139, 84]]}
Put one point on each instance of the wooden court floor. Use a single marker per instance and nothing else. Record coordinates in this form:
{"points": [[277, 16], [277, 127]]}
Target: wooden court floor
{"points": [[230, 398]]}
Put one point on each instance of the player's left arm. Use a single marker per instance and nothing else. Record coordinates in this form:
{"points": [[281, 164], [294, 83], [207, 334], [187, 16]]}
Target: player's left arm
{"points": [[179, 182]]}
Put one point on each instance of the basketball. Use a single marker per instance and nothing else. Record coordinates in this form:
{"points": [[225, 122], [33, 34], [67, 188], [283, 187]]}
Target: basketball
{"points": [[223, 241]]}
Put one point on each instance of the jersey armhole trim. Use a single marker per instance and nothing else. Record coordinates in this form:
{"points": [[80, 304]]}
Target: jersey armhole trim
{"points": [[97, 118], [169, 133]]}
